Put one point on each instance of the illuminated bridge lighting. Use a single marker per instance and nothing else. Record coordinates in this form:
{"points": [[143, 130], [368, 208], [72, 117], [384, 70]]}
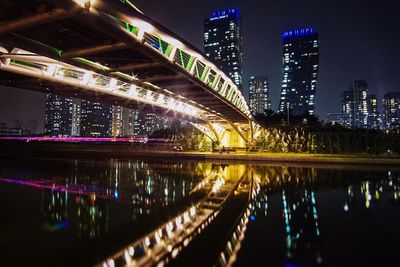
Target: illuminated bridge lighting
{"points": [[165, 242], [163, 72], [68, 74], [87, 139]]}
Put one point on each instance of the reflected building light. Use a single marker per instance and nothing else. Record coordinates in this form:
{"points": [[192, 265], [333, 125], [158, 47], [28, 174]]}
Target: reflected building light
{"points": [[346, 207]]}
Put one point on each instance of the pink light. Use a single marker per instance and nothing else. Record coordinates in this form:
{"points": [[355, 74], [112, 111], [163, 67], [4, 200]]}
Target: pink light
{"points": [[85, 139], [48, 185]]}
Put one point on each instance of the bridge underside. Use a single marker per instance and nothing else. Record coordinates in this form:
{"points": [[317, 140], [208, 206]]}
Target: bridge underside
{"points": [[97, 40]]}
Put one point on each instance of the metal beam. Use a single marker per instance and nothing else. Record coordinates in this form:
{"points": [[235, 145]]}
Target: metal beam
{"points": [[136, 66], [234, 126], [80, 52], [160, 78], [17, 40], [36, 19], [182, 87]]}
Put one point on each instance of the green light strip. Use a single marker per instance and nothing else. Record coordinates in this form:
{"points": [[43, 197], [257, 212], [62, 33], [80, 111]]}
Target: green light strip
{"points": [[215, 81], [91, 63], [182, 62], [196, 68], [168, 50], [59, 52], [190, 63], [160, 45], [204, 74], [130, 27], [124, 76]]}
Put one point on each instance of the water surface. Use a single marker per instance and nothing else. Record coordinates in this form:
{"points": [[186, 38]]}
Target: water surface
{"points": [[316, 215]]}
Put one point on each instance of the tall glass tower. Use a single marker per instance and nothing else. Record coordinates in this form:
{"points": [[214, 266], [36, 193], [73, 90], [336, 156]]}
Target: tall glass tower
{"points": [[355, 104], [122, 122], [391, 109], [300, 71], [96, 119], [62, 115], [223, 43], [259, 99]]}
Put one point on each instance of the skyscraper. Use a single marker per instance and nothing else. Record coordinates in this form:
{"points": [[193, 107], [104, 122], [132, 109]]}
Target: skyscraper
{"points": [[300, 71], [374, 118], [145, 123], [355, 104], [391, 109], [122, 121], [62, 116], [96, 119], [223, 43], [259, 99]]}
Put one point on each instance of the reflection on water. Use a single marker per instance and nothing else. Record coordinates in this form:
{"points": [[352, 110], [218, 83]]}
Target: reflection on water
{"points": [[302, 216], [310, 216], [70, 202], [88, 215], [81, 194]]}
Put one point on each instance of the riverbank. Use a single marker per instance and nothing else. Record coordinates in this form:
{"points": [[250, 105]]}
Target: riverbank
{"points": [[53, 149]]}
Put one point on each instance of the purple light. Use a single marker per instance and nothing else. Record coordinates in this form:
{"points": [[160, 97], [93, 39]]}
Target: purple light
{"points": [[86, 139], [49, 185]]}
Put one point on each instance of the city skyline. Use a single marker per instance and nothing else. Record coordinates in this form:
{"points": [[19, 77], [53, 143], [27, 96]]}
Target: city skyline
{"points": [[362, 56], [354, 45], [199, 128]]}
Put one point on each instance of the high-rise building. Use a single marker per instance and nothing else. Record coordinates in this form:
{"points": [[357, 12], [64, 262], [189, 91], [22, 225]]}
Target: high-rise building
{"points": [[139, 123], [62, 115], [300, 71], [374, 118], [391, 109], [122, 121], [152, 122], [355, 104], [145, 123], [76, 117], [223, 43], [259, 99], [96, 119]]}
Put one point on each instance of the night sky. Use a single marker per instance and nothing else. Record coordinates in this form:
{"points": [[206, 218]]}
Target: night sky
{"points": [[358, 40]]}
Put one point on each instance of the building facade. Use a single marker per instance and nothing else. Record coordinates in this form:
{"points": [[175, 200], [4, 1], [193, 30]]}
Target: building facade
{"points": [[122, 122], [355, 104], [145, 123], [96, 119], [259, 99], [300, 71], [223, 43], [374, 118], [62, 115], [391, 109]]}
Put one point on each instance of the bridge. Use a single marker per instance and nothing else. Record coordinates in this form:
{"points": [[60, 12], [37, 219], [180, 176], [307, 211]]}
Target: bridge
{"points": [[109, 51]]}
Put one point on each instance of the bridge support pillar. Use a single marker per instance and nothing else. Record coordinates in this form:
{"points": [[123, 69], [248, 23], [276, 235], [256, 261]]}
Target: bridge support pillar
{"points": [[226, 134]]}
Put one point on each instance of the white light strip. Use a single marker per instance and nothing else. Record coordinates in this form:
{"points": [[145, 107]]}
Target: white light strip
{"points": [[58, 72]]}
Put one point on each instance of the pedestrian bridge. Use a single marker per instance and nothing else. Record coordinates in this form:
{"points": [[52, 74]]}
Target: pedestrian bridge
{"points": [[109, 51]]}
